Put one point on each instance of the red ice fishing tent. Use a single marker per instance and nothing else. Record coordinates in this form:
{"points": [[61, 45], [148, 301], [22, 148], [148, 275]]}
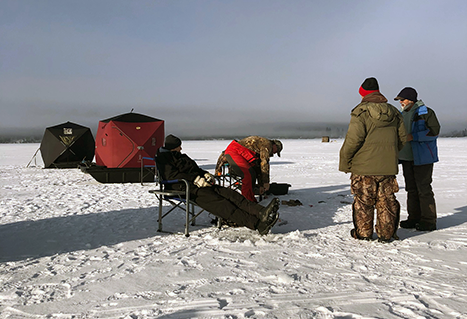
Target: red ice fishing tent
{"points": [[66, 145], [122, 141], [121, 144]]}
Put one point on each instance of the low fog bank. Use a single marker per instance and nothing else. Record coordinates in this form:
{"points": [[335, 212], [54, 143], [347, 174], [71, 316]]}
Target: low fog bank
{"points": [[211, 130], [189, 131], [271, 130], [195, 122]]}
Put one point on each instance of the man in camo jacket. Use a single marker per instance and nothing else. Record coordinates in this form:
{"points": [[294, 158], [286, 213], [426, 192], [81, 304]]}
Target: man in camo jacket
{"points": [[249, 159], [370, 151]]}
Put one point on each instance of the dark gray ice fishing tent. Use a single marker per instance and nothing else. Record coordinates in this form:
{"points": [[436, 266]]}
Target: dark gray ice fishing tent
{"points": [[66, 145]]}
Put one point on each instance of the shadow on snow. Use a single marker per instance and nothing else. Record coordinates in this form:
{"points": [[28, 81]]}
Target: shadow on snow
{"points": [[47, 237], [458, 217]]}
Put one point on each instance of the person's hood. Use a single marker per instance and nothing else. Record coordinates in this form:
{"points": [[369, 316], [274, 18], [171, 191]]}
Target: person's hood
{"points": [[375, 97], [382, 114], [163, 152], [379, 111]]}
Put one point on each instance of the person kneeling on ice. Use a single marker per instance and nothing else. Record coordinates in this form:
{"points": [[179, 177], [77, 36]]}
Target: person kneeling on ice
{"points": [[220, 201]]}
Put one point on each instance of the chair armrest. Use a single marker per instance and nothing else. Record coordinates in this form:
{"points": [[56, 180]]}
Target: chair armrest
{"points": [[167, 193], [186, 192], [172, 181]]}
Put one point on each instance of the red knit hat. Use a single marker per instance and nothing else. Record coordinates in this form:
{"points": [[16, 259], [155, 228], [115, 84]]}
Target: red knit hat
{"points": [[368, 86]]}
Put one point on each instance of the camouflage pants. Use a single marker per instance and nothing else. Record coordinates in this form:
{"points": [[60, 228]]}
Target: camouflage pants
{"points": [[370, 192]]}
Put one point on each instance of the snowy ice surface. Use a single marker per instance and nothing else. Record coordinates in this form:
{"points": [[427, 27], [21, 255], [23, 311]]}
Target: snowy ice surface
{"points": [[71, 247]]}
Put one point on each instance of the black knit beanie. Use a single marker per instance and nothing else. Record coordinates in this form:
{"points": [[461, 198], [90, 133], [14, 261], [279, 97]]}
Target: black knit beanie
{"points": [[368, 86], [171, 142]]}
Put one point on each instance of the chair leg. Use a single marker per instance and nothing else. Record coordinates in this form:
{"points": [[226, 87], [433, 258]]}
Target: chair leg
{"points": [[193, 213], [187, 222], [160, 215]]}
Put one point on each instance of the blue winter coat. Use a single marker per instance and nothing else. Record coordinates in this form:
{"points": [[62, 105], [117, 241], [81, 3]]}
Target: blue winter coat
{"points": [[425, 130]]}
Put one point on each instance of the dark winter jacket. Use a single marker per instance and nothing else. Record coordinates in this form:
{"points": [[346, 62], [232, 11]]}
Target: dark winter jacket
{"points": [[175, 165], [375, 136], [422, 123]]}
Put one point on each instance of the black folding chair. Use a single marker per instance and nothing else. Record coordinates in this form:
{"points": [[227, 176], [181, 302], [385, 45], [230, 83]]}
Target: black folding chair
{"points": [[227, 179], [177, 198]]}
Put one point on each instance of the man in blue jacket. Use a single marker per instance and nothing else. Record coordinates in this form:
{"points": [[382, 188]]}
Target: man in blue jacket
{"points": [[417, 158]]}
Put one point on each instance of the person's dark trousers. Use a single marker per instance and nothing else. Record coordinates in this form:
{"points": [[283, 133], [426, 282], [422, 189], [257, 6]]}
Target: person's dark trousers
{"points": [[421, 204], [228, 204]]}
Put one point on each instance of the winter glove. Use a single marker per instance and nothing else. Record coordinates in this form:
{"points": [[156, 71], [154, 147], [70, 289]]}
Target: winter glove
{"points": [[201, 182], [209, 178]]}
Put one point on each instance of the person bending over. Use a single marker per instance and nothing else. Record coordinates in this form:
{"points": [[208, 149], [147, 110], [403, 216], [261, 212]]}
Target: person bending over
{"points": [[249, 159]]}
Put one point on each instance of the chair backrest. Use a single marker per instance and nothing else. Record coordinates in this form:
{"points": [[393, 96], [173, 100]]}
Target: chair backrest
{"points": [[164, 184], [158, 176], [227, 178]]}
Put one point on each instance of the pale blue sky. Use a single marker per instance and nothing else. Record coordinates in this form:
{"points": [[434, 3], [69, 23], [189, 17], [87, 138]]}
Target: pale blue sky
{"points": [[201, 65]]}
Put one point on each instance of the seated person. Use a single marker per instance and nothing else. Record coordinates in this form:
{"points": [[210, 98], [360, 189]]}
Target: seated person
{"points": [[220, 201]]}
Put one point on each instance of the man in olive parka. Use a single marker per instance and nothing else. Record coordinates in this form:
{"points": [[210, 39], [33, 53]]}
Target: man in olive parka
{"points": [[370, 151]]}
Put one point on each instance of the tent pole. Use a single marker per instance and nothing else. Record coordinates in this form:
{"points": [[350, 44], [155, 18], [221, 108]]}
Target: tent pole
{"points": [[140, 148], [33, 158]]}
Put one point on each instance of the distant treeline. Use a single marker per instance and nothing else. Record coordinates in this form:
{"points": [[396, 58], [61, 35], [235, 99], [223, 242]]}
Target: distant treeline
{"points": [[19, 139], [298, 132], [461, 133]]}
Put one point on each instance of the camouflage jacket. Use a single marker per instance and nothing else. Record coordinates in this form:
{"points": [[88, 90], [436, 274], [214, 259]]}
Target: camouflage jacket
{"points": [[263, 147], [260, 145]]}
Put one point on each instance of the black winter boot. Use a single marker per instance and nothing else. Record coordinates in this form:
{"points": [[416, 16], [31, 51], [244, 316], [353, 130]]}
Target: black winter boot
{"points": [[268, 217], [423, 226], [272, 206], [408, 223], [264, 227]]}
